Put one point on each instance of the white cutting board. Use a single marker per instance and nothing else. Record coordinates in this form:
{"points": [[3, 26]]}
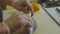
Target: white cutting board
{"points": [[45, 25]]}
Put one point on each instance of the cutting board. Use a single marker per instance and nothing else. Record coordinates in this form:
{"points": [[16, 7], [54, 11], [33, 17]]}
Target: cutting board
{"points": [[45, 24]]}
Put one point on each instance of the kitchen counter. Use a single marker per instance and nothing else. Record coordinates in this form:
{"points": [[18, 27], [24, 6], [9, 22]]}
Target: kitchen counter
{"points": [[45, 24], [53, 13]]}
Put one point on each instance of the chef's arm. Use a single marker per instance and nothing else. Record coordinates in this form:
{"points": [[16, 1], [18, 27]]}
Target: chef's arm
{"points": [[7, 2], [3, 3]]}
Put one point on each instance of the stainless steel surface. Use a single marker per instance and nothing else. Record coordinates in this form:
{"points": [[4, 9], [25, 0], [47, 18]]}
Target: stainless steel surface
{"points": [[53, 13]]}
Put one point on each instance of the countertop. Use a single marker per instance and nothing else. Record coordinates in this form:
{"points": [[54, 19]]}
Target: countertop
{"points": [[45, 24], [54, 13]]}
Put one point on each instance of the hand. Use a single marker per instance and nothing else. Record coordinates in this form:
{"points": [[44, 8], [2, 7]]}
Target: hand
{"points": [[23, 5], [18, 21]]}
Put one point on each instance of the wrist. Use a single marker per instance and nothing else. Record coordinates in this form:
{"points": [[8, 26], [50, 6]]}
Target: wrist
{"points": [[3, 29], [9, 2], [6, 2]]}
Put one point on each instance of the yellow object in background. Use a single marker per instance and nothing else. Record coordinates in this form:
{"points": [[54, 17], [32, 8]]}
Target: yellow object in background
{"points": [[9, 7], [35, 6]]}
